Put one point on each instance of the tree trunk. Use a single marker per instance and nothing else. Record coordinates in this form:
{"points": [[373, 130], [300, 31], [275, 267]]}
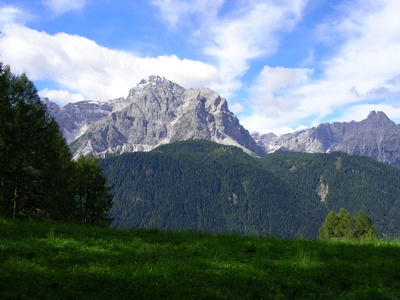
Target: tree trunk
{"points": [[14, 200]]}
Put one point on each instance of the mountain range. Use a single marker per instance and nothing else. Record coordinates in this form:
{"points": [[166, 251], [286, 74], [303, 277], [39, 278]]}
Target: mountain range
{"points": [[376, 136], [166, 175], [158, 111]]}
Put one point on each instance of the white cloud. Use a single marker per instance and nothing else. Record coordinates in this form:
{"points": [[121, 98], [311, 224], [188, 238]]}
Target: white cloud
{"points": [[250, 33], [363, 70], [279, 78], [236, 108], [175, 12], [81, 66], [62, 6], [276, 90], [360, 112], [12, 15], [233, 39], [61, 96], [260, 123]]}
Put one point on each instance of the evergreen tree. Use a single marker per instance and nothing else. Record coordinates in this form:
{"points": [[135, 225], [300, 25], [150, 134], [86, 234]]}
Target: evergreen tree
{"points": [[35, 162], [345, 226], [328, 230], [93, 197], [364, 227]]}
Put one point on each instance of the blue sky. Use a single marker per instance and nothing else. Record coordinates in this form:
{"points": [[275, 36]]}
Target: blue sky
{"points": [[281, 64]]}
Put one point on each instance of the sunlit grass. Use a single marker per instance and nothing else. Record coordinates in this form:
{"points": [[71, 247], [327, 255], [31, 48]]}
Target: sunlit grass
{"points": [[58, 261]]}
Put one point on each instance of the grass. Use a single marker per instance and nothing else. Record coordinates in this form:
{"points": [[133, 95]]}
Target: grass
{"points": [[59, 261]]}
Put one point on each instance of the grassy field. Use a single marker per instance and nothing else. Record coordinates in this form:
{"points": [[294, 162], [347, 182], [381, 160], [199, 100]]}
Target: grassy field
{"points": [[59, 261]]}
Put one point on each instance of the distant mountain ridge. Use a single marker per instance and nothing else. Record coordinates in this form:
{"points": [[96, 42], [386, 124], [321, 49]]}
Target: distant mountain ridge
{"points": [[376, 136], [158, 111]]}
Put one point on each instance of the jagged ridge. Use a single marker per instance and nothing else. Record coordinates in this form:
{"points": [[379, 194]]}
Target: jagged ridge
{"points": [[159, 111], [376, 136]]}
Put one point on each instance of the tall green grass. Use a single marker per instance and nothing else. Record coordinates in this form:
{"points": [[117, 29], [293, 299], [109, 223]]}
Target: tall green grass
{"points": [[59, 261]]}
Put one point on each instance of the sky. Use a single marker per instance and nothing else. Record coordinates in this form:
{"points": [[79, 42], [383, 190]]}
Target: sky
{"points": [[282, 65]]}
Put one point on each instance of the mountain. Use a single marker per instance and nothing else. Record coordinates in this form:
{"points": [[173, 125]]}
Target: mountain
{"points": [[156, 112], [376, 136], [75, 118], [201, 185]]}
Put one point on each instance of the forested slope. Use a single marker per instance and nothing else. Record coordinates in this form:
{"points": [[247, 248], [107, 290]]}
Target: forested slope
{"points": [[199, 185], [339, 180]]}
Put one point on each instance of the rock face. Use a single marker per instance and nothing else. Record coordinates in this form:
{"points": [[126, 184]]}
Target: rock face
{"points": [[376, 136], [75, 118], [158, 112]]}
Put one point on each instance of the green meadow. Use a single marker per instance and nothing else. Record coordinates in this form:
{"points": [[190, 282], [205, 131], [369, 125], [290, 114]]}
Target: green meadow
{"points": [[61, 261]]}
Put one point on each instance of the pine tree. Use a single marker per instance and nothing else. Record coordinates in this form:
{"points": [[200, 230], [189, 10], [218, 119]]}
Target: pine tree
{"points": [[343, 226], [93, 197], [364, 227], [328, 229], [35, 162]]}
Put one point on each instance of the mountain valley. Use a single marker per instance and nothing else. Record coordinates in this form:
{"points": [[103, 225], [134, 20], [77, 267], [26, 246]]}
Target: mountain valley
{"points": [[180, 160]]}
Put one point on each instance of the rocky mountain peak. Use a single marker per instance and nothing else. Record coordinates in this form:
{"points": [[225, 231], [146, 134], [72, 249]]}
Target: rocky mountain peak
{"points": [[160, 111], [371, 114], [378, 120], [376, 136], [377, 115]]}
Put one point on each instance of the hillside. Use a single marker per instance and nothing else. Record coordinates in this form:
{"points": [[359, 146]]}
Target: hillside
{"points": [[204, 186], [339, 180], [59, 261]]}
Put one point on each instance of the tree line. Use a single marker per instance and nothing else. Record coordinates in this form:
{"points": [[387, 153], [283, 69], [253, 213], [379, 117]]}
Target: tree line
{"points": [[38, 178]]}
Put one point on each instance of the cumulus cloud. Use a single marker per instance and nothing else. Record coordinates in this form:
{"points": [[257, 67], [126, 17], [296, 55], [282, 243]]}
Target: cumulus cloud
{"points": [[361, 71], [62, 6], [237, 108], [81, 66], [275, 90], [280, 78], [61, 96], [12, 15]]}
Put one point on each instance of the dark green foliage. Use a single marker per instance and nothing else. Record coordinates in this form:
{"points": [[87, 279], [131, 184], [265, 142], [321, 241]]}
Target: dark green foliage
{"points": [[37, 176], [203, 186], [364, 228], [338, 180], [59, 261], [93, 194], [328, 229], [35, 163], [343, 226], [200, 185]]}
